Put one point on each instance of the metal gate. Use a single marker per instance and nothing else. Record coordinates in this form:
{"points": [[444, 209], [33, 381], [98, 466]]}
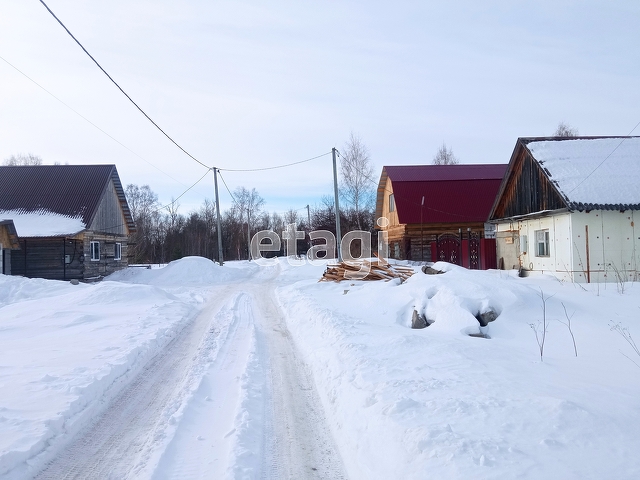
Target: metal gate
{"points": [[448, 248], [474, 250]]}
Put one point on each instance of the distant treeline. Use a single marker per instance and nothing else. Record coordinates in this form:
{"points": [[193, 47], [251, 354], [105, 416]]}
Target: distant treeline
{"points": [[164, 235]]}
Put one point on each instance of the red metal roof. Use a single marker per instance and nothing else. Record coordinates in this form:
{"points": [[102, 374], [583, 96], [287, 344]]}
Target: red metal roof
{"points": [[452, 193]]}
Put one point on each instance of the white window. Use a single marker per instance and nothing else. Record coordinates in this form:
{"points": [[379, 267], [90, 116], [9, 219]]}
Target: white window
{"points": [[117, 251], [392, 203], [542, 243], [95, 251]]}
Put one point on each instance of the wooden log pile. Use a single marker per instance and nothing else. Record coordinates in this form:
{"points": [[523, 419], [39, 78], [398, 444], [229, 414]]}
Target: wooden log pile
{"points": [[377, 271]]}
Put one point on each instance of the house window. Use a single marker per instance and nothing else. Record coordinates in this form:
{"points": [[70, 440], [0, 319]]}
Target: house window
{"points": [[542, 243], [117, 251], [95, 251], [392, 203]]}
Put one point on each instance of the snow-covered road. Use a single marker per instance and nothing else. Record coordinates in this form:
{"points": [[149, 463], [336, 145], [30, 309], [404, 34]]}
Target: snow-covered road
{"points": [[200, 371], [229, 397]]}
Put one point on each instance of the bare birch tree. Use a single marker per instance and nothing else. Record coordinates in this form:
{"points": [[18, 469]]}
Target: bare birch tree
{"points": [[445, 156], [565, 130], [356, 171], [22, 159]]}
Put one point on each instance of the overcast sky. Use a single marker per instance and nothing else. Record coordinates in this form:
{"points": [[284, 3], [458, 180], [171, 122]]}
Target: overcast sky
{"points": [[251, 84]]}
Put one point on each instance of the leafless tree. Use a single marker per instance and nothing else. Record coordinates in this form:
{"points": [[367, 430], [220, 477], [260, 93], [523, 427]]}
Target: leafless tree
{"points": [[357, 172], [445, 156], [291, 216], [565, 130], [22, 159], [143, 203]]}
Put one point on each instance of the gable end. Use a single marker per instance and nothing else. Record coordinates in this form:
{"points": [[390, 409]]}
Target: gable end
{"points": [[527, 188]]}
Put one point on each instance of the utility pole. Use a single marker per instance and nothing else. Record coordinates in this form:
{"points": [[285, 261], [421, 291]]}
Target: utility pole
{"points": [[308, 217], [337, 206], [215, 184]]}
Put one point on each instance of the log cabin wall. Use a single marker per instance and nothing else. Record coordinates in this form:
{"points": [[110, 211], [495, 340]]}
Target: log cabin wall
{"points": [[414, 242], [527, 189], [52, 258], [107, 264], [109, 217]]}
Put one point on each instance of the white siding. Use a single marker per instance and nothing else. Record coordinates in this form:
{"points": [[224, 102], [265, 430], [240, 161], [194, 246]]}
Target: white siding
{"points": [[613, 245], [559, 260]]}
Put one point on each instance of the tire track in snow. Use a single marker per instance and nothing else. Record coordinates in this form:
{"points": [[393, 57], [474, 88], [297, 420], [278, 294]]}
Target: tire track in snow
{"points": [[278, 431], [207, 433], [119, 441], [298, 442]]}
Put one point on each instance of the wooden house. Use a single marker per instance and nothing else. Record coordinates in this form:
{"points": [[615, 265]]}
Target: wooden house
{"points": [[71, 221], [567, 206], [439, 212], [8, 242]]}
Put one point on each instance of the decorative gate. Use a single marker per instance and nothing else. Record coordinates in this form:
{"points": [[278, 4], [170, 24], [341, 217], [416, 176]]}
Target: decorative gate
{"points": [[474, 250], [448, 247]]}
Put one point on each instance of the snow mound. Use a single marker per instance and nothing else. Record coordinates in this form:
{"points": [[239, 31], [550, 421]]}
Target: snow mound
{"points": [[188, 271], [441, 404], [17, 289]]}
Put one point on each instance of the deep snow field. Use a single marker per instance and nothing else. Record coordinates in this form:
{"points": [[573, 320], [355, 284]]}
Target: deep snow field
{"points": [[400, 403]]}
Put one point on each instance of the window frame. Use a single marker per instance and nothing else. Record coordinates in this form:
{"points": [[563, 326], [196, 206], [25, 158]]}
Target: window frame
{"points": [[95, 248], [542, 239], [117, 251], [392, 203]]}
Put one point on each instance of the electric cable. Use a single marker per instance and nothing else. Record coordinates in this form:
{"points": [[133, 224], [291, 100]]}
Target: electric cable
{"points": [[272, 168], [156, 210], [391, 192], [606, 158], [227, 187], [89, 121], [120, 88], [183, 193]]}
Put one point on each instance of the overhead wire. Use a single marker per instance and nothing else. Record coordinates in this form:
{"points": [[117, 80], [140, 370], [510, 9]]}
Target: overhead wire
{"points": [[377, 183], [87, 120], [606, 158], [183, 193], [156, 210], [120, 88], [227, 187], [272, 168]]}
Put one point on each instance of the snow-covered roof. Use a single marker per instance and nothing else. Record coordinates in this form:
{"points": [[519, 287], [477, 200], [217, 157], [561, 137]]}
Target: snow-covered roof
{"points": [[592, 173], [70, 191], [42, 223]]}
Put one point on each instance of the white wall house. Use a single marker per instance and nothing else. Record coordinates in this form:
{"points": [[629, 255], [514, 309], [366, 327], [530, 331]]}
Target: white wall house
{"points": [[568, 206]]}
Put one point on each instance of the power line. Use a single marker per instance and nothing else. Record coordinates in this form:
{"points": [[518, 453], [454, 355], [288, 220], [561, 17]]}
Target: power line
{"points": [[272, 168], [606, 158], [168, 204], [176, 199], [227, 187], [87, 120], [377, 183], [120, 88]]}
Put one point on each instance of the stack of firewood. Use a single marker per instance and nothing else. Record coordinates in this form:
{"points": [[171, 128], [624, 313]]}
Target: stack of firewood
{"points": [[377, 271]]}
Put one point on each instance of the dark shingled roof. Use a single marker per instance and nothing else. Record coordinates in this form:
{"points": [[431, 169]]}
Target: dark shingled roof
{"points": [[71, 190], [452, 193]]}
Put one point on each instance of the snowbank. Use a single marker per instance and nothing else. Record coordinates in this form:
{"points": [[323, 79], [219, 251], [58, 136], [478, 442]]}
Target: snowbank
{"points": [[187, 272], [437, 403], [68, 349]]}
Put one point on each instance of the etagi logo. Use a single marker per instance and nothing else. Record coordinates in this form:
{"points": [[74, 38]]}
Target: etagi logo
{"points": [[321, 254]]}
